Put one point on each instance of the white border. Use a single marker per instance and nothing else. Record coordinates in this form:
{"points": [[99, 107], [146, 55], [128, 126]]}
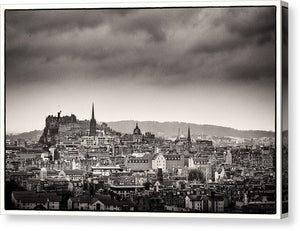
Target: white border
{"points": [[276, 3]]}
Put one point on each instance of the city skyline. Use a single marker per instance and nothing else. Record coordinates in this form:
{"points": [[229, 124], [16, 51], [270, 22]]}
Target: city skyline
{"points": [[99, 122], [142, 64]]}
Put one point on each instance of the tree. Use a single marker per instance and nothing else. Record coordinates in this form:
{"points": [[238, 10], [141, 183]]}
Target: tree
{"points": [[196, 174]]}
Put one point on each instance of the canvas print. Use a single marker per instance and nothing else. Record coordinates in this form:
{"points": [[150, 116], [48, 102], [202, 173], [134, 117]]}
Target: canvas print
{"points": [[163, 109]]}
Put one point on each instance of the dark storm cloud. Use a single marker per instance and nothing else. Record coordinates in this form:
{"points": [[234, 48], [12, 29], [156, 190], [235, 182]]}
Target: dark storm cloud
{"points": [[249, 23], [59, 20], [247, 38], [240, 28], [149, 23], [162, 47]]}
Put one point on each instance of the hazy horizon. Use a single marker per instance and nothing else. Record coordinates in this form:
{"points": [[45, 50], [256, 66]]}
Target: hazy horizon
{"points": [[140, 121], [211, 66]]}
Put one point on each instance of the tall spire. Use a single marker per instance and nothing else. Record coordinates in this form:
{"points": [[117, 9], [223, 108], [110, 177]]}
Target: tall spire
{"points": [[93, 123], [93, 115], [189, 135]]}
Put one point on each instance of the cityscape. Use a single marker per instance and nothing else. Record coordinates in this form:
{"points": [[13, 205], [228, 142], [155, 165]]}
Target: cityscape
{"points": [[161, 110], [84, 165]]}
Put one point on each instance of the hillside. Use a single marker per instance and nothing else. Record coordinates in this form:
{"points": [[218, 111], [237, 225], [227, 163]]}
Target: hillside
{"points": [[33, 135], [171, 129]]}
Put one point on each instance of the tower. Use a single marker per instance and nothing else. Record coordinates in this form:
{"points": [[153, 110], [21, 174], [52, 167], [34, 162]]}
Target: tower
{"points": [[93, 123], [137, 134], [189, 136]]}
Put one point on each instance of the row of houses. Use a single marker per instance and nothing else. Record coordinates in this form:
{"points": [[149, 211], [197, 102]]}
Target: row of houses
{"points": [[34, 200], [51, 201], [99, 203]]}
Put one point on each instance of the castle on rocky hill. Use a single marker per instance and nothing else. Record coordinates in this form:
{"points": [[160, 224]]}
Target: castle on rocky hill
{"points": [[52, 127], [58, 127]]}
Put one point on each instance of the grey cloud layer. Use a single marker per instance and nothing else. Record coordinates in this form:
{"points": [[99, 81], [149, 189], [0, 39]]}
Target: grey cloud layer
{"points": [[158, 46]]}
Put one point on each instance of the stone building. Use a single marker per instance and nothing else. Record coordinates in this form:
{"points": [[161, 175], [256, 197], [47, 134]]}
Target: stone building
{"points": [[137, 134], [142, 163]]}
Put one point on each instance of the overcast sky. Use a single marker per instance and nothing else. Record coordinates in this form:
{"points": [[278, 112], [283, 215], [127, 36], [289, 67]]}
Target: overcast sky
{"points": [[206, 66]]}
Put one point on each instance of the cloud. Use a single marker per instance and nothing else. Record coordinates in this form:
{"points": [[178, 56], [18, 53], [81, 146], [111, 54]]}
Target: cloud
{"points": [[55, 21], [251, 22], [168, 47], [235, 29]]}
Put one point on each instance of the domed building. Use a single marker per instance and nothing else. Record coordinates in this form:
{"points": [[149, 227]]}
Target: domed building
{"points": [[137, 134]]}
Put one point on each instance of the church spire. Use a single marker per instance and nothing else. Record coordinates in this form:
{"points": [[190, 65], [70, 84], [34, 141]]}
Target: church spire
{"points": [[93, 115], [93, 123], [189, 135]]}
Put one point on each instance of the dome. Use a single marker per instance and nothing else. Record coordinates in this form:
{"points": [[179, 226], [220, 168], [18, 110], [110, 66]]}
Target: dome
{"points": [[137, 131]]}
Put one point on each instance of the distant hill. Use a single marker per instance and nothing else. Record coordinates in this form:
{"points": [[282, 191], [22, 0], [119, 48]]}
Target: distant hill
{"points": [[171, 129], [36, 134], [166, 129]]}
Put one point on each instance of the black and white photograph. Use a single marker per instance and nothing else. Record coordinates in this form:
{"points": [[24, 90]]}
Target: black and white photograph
{"points": [[160, 109]]}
